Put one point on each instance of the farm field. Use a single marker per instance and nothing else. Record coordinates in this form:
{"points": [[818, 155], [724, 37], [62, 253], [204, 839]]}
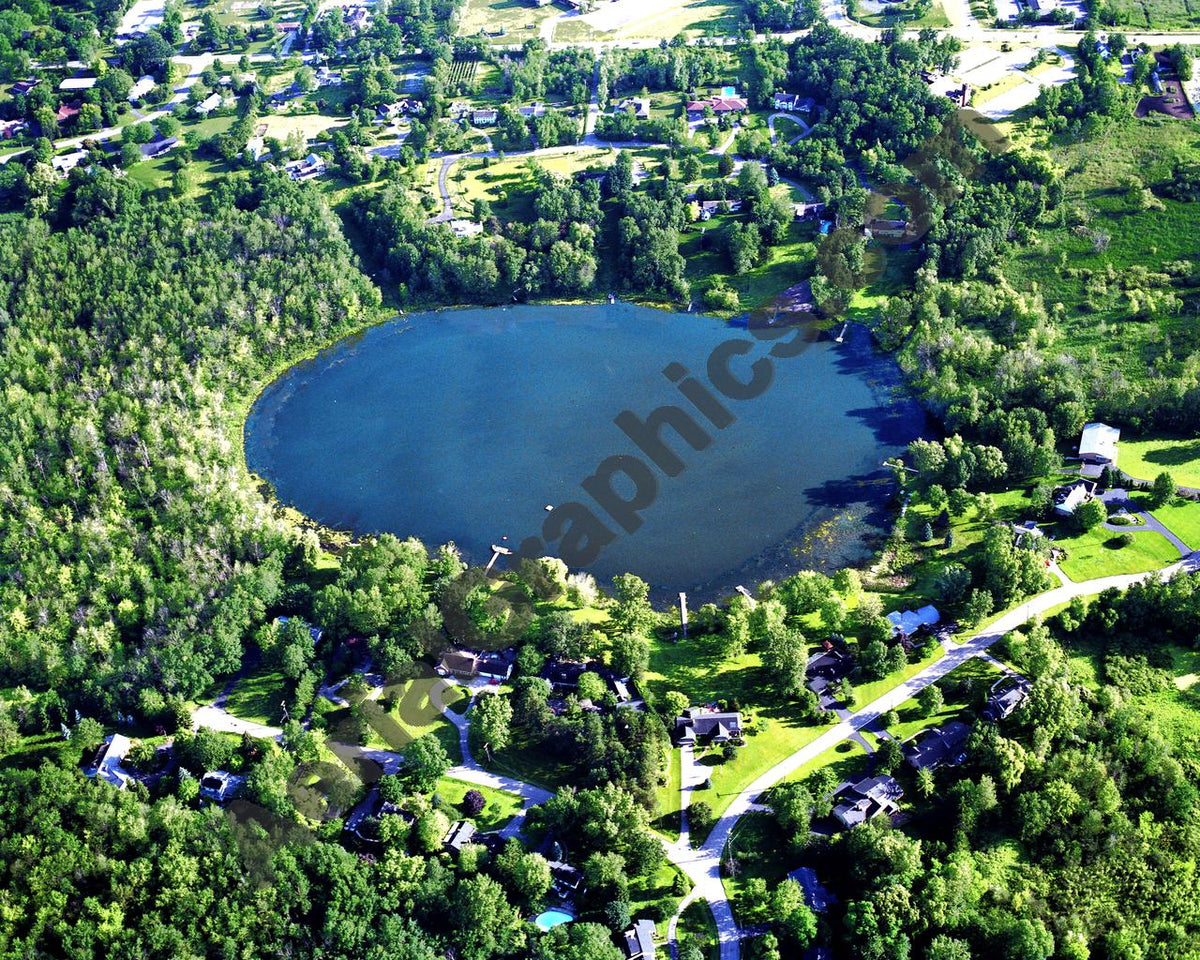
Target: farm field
{"points": [[631, 19], [1157, 14]]}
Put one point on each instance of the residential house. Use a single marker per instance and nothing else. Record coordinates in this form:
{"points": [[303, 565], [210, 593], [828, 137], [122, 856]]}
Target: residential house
{"points": [[806, 210], [710, 208], [905, 623], [894, 229], [10, 128], [68, 162], [157, 148], [719, 105], [22, 87], [639, 941], [364, 818], [328, 78], [563, 675], [465, 228], [315, 632], [1005, 696], [640, 107], [485, 117], [457, 110], [66, 111], [535, 109], [827, 668], [816, 896], [793, 103], [388, 112], [220, 786], [490, 664], [208, 104], [357, 18], [713, 726], [1067, 498], [461, 833], [859, 802], [938, 747], [141, 88], [256, 148], [565, 880], [1026, 532], [1098, 444], [107, 765], [961, 96]]}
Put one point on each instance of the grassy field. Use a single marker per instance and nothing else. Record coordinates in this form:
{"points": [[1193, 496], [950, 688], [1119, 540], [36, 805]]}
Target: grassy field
{"points": [[257, 697], [501, 806], [660, 19], [901, 14], [517, 18], [1098, 553], [669, 799], [1146, 459], [1106, 245], [1182, 518], [1159, 14]]}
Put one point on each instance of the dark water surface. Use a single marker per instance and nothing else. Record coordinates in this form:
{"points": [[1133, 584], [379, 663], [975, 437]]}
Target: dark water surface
{"points": [[464, 425]]}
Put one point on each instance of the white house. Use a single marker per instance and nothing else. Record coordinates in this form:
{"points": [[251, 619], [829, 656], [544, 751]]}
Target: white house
{"points": [[208, 104], [68, 162], [1067, 498], [109, 765], [466, 228], [1098, 444], [140, 89]]}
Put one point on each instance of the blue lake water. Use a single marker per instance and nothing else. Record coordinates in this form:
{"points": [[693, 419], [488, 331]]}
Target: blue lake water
{"points": [[464, 425]]}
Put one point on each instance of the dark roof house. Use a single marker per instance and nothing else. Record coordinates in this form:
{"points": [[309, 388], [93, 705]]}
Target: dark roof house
{"points": [[639, 940], [700, 723], [937, 747], [461, 833], [867, 799], [1003, 702]]}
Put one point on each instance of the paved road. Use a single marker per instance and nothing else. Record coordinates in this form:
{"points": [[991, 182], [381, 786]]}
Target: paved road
{"points": [[702, 865], [1119, 497]]}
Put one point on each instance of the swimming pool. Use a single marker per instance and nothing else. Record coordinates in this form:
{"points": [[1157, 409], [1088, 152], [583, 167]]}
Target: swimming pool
{"points": [[549, 919]]}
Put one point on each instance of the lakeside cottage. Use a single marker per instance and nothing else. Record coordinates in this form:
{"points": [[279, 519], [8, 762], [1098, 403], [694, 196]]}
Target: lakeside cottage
{"points": [[905, 623]]}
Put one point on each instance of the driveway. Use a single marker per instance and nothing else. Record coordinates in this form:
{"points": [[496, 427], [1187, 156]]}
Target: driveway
{"points": [[1118, 498]]}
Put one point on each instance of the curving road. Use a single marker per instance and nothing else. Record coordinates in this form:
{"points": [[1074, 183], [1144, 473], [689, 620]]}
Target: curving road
{"points": [[702, 864]]}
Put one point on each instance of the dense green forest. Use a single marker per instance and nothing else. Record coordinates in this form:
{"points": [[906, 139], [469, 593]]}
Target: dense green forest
{"points": [[138, 553]]}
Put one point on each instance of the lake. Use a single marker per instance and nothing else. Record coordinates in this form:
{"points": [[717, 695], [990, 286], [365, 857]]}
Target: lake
{"points": [[465, 425]]}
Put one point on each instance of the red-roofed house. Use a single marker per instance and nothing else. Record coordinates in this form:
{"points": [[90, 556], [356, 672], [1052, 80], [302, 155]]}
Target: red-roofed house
{"points": [[66, 112], [695, 108]]}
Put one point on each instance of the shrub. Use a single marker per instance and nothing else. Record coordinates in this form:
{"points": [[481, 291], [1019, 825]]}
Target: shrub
{"points": [[473, 803]]}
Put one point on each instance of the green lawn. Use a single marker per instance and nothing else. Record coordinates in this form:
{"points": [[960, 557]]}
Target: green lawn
{"points": [[696, 668], [524, 762], [501, 806], [762, 852], [257, 697], [913, 720], [1182, 518], [1146, 459], [865, 693], [1098, 553], [669, 799]]}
